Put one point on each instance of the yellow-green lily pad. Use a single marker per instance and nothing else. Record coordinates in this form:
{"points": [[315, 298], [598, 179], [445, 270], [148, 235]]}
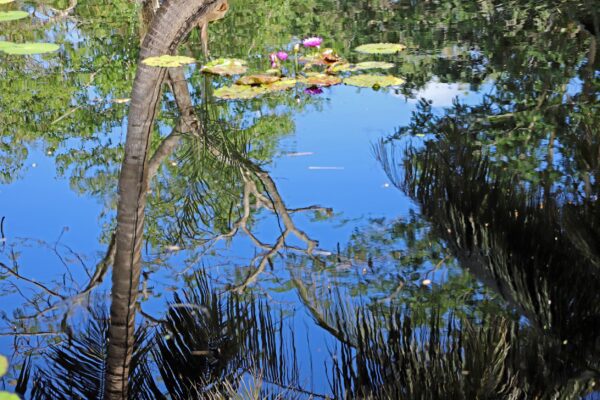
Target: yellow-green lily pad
{"points": [[381, 48], [28, 48], [281, 85], [258, 79], [168, 61], [239, 92], [12, 15], [321, 80], [374, 81], [8, 396], [346, 67], [225, 67], [3, 366]]}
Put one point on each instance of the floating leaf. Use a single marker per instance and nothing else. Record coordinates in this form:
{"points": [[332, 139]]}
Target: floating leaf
{"points": [[168, 61], [322, 80], [225, 67], [281, 85], [239, 92], [380, 48], [273, 71], [12, 15], [374, 81], [346, 67], [374, 65], [6, 1], [325, 57], [8, 396], [3, 366], [28, 48], [258, 79]]}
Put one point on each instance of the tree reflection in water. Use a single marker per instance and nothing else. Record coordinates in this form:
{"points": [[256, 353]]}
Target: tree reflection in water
{"points": [[531, 238]]}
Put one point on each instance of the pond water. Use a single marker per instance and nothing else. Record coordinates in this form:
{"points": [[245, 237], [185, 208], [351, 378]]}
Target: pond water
{"points": [[437, 238]]}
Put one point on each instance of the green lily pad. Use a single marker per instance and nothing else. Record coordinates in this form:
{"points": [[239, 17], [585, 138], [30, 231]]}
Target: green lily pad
{"points": [[168, 61], [8, 396], [225, 67], [321, 80], [374, 81], [3, 366], [380, 48], [24, 49], [239, 92], [281, 85], [374, 65], [258, 79], [12, 15], [245, 92], [346, 67], [6, 1]]}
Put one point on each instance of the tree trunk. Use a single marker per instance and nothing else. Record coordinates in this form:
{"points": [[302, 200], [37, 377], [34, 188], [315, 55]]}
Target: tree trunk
{"points": [[170, 26]]}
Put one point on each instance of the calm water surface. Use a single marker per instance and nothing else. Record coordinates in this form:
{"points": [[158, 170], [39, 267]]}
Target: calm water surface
{"points": [[438, 239]]}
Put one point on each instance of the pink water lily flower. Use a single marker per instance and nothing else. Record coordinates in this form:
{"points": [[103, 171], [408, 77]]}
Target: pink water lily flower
{"points": [[282, 55], [313, 90], [312, 42]]}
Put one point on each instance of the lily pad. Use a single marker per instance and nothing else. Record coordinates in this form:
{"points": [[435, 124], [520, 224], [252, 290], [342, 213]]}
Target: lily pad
{"points": [[225, 67], [28, 48], [324, 57], [381, 48], [281, 85], [8, 396], [168, 61], [346, 67], [12, 15], [258, 79], [239, 92], [374, 81], [3, 366], [321, 80]]}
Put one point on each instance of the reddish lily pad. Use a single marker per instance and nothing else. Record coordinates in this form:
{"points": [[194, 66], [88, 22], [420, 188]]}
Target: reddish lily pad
{"points": [[321, 80], [325, 57], [226, 67]]}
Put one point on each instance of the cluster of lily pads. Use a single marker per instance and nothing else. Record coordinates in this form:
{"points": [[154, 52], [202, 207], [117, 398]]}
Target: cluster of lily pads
{"points": [[308, 65], [22, 48]]}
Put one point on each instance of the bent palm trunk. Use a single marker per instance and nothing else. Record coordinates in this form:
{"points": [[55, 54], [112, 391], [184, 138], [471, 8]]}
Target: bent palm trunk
{"points": [[170, 26]]}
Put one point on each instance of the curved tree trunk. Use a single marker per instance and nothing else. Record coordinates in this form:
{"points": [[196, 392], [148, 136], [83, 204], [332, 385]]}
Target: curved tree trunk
{"points": [[171, 25]]}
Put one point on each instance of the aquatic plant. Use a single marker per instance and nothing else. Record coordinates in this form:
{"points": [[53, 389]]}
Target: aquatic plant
{"points": [[314, 41]]}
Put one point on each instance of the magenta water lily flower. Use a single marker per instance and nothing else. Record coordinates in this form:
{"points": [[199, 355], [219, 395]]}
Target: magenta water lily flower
{"points": [[282, 55], [313, 90], [312, 41]]}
